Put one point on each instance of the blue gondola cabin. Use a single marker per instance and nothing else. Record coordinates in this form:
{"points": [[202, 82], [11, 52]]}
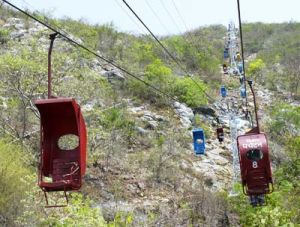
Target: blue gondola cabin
{"points": [[223, 91], [199, 141], [243, 92], [226, 54]]}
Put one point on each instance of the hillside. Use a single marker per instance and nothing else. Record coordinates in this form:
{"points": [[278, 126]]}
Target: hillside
{"points": [[141, 170]]}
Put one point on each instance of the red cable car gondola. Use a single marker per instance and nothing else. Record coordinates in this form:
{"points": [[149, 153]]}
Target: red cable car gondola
{"points": [[254, 162], [220, 134], [60, 169]]}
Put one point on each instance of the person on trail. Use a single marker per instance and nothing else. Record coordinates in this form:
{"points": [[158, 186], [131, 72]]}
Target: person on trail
{"points": [[238, 56]]}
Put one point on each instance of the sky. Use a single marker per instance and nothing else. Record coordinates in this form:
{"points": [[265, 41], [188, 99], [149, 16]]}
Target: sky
{"points": [[166, 17]]}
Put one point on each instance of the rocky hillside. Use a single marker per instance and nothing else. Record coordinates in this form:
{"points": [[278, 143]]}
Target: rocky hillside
{"points": [[141, 166]]}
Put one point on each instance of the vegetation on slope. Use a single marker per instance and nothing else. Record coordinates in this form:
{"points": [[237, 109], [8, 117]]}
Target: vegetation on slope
{"points": [[277, 46], [118, 153], [283, 205]]}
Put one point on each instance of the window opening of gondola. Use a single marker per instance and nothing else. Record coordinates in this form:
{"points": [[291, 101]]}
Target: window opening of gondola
{"points": [[254, 155], [68, 142]]}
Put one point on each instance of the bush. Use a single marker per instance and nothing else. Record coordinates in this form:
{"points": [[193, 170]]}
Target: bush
{"points": [[285, 122], [4, 36], [282, 206], [190, 92], [161, 77], [274, 213], [13, 172], [79, 211]]}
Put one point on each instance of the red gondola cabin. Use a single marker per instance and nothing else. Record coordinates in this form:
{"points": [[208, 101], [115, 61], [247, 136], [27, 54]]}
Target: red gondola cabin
{"points": [[61, 169], [220, 134], [255, 164]]}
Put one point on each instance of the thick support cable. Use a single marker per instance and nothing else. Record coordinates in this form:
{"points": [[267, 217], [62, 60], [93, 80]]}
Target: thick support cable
{"points": [[91, 52], [242, 50], [154, 36], [166, 50]]}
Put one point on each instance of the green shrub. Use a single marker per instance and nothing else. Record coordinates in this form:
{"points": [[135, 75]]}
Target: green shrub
{"points": [[117, 119], [190, 92], [4, 36], [274, 213], [285, 122], [79, 211], [122, 219], [13, 172], [161, 77], [282, 206]]}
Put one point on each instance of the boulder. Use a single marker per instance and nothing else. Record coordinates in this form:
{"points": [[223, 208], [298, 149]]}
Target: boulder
{"points": [[18, 34], [185, 114], [205, 110], [141, 131], [151, 125], [113, 74]]}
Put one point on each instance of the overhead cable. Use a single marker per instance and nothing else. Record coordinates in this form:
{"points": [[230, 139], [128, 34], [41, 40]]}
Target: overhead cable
{"points": [[154, 36], [170, 15], [193, 39], [90, 51], [242, 49], [166, 50], [156, 15]]}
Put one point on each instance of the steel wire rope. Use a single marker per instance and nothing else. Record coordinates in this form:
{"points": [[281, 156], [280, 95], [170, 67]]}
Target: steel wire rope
{"points": [[141, 28], [179, 14], [170, 15], [242, 50], [128, 14], [91, 52], [167, 51], [157, 17], [57, 27], [188, 34], [185, 25], [154, 36], [194, 39], [48, 19], [187, 29], [174, 21], [137, 24]]}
